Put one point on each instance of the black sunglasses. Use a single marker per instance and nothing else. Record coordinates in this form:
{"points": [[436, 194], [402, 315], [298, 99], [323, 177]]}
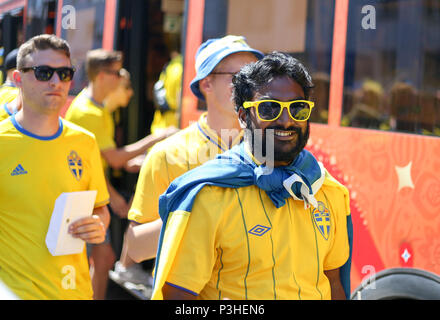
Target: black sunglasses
{"points": [[45, 73], [116, 73]]}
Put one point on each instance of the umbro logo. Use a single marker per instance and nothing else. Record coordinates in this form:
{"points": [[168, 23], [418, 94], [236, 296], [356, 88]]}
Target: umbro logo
{"points": [[259, 230], [19, 170]]}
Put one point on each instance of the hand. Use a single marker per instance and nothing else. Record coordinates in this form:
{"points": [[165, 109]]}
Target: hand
{"points": [[119, 205], [134, 165], [161, 134], [90, 229]]}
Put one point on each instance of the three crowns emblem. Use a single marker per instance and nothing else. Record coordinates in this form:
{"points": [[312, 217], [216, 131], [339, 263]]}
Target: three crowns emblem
{"points": [[75, 165]]}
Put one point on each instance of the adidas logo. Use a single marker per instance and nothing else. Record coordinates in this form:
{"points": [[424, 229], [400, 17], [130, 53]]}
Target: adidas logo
{"points": [[18, 171]]}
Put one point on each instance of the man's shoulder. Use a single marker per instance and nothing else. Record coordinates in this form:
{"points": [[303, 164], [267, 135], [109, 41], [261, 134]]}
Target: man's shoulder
{"points": [[336, 191], [75, 130], [82, 107], [332, 184], [179, 141], [221, 196]]}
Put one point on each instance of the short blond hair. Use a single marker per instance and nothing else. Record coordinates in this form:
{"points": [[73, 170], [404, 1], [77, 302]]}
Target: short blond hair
{"points": [[99, 59], [41, 42]]}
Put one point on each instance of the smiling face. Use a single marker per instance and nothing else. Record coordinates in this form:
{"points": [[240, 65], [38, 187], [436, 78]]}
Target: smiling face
{"points": [[45, 97], [287, 136]]}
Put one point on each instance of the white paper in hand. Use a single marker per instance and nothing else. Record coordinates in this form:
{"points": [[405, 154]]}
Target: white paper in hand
{"points": [[69, 207]]}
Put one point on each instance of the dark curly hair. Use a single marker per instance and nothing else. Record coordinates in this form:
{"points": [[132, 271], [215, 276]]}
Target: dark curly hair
{"points": [[255, 76]]}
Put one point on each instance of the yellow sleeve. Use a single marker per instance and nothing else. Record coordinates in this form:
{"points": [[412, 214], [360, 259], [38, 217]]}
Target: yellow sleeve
{"points": [[196, 255], [153, 181], [339, 251]]}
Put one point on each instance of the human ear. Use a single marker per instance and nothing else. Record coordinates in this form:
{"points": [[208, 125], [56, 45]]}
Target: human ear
{"points": [[16, 76], [242, 117], [205, 85]]}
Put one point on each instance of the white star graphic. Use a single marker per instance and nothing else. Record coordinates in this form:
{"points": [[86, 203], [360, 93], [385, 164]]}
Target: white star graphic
{"points": [[404, 176], [406, 255]]}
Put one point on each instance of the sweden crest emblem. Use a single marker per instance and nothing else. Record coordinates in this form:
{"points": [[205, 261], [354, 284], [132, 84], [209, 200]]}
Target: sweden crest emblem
{"points": [[321, 216], [75, 165]]}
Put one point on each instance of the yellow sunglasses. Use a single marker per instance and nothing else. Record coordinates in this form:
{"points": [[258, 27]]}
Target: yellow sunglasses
{"points": [[270, 110]]}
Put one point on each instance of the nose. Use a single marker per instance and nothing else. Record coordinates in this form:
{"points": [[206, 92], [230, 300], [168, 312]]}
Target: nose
{"points": [[285, 120], [55, 80]]}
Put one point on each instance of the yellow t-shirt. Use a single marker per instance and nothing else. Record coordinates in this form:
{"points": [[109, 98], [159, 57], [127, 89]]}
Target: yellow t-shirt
{"points": [[172, 78], [5, 112], [238, 245], [94, 117], [7, 94], [169, 159], [34, 171]]}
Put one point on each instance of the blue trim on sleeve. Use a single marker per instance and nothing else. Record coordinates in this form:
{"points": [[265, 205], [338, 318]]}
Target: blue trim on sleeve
{"points": [[181, 288], [5, 106], [32, 135], [345, 270]]}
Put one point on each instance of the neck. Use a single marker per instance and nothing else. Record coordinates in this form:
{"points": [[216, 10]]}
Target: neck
{"points": [[219, 122], [110, 105], [44, 125], [96, 93]]}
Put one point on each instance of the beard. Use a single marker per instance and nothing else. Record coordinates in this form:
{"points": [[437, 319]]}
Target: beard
{"points": [[264, 145]]}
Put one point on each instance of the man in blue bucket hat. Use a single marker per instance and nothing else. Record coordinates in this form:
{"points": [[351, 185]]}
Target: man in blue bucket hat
{"points": [[216, 131]]}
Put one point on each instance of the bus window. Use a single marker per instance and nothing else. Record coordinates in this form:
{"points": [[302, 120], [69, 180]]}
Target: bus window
{"points": [[301, 28], [392, 66], [11, 26], [40, 17], [87, 35]]}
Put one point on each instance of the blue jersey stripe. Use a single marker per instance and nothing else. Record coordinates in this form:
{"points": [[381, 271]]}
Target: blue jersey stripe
{"points": [[32, 135], [247, 241], [271, 241], [317, 252], [181, 288], [209, 138], [218, 274]]}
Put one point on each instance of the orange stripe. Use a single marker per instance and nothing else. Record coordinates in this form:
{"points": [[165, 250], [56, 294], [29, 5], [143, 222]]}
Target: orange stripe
{"points": [[109, 25], [194, 35], [338, 62], [59, 18]]}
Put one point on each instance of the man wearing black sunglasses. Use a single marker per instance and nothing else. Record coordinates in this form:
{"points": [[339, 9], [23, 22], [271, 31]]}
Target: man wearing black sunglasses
{"points": [[252, 226], [44, 156], [89, 111]]}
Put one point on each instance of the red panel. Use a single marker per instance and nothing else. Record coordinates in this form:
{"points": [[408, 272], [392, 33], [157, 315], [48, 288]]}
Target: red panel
{"points": [[194, 34], [394, 194], [338, 62]]}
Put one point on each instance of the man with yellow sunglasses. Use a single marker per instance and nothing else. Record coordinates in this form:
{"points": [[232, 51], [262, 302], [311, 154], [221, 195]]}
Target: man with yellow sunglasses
{"points": [[246, 225]]}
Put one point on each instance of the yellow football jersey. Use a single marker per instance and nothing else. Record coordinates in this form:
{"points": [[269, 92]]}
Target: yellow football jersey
{"points": [[172, 157], [238, 245], [5, 112], [7, 94], [34, 171], [94, 117], [172, 79]]}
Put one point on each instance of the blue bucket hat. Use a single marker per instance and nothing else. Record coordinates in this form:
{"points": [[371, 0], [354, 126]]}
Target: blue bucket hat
{"points": [[212, 51]]}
